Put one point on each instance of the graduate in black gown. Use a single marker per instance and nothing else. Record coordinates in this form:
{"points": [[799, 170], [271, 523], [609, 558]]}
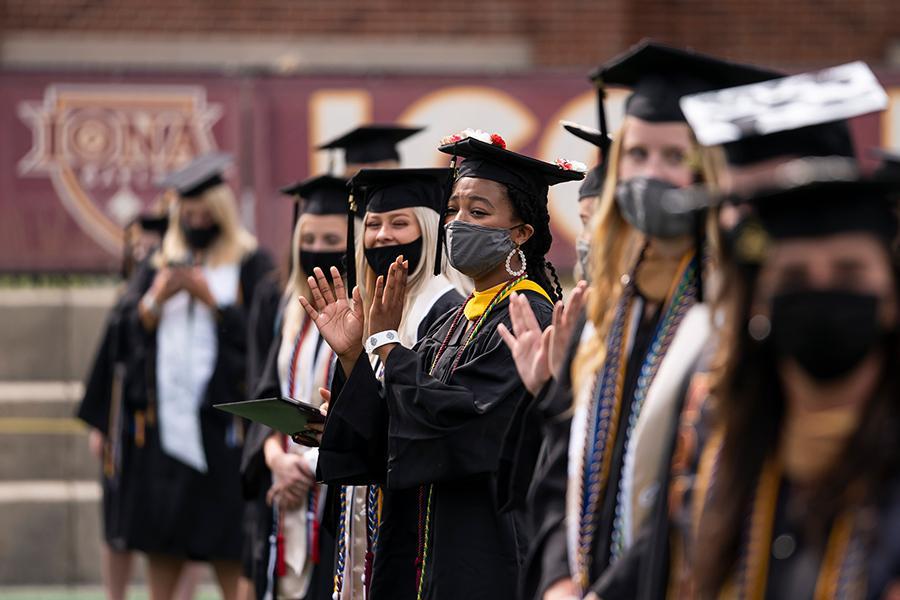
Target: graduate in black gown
{"points": [[752, 162], [804, 459], [399, 210], [187, 340], [101, 405], [291, 552], [645, 322], [438, 427]]}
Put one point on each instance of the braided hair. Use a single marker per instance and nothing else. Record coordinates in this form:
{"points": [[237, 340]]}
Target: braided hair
{"points": [[533, 211]]}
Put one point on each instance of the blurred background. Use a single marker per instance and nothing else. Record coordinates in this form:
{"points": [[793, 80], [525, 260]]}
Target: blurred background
{"points": [[99, 98]]}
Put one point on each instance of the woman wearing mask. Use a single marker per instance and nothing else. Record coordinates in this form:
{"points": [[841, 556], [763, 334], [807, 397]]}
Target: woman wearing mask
{"points": [[446, 403], [804, 459], [187, 339], [598, 480], [292, 554], [400, 216]]}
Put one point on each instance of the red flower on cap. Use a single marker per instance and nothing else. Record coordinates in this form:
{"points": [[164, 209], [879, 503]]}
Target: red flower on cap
{"points": [[483, 136], [571, 165]]}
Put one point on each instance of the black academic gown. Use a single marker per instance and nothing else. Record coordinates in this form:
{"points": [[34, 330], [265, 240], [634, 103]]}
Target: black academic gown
{"points": [[256, 477], [354, 452], [549, 560], [443, 430], [171, 508], [101, 408]]}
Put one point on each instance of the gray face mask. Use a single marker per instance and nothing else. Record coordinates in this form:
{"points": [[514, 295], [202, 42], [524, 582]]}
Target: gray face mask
{"points": [[583, 251], [645, 203], [474, 250]]}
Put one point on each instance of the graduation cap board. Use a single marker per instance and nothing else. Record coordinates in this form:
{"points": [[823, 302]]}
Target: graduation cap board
{"points": [[788, 103], [320, 195], [659, 75], [286, 415], [199, 175], [588, 134], [371, 143]]}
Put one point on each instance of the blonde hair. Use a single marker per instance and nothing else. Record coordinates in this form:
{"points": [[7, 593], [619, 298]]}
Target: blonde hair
{"points": [[615, 246], [297, 284], [233, 242], [428, 221]]}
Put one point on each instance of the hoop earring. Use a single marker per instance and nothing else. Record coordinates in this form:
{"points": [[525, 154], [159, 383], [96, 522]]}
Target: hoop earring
{"points": [[521, 259]]}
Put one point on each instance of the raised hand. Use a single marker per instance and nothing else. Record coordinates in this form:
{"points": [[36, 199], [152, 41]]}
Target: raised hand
{"points": [[529, 345], [563, 323], [387, 302], [339, 321]]}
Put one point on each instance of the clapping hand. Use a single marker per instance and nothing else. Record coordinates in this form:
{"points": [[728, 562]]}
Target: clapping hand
{"points": [[387, 302], [539, 355], [340, 321]]}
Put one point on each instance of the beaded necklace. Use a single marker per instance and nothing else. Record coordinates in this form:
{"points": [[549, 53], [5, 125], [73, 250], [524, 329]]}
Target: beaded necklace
{"points": [[603, 415], [341, 546], [838, 576], [425, 499]]}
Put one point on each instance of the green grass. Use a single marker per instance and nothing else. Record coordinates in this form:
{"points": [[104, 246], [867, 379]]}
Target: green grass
{"points": [[204, 592]]}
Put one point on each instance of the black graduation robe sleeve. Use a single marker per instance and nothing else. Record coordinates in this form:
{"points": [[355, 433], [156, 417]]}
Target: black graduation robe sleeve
{"points": [[354, 444], [261, 322], [441, 431], [354, 449], [254, 472], [548, 559], [95, 404]]}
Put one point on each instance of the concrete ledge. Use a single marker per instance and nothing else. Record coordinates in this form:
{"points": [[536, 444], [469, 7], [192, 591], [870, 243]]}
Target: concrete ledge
{"points": [[47, 455], [50, 542]]}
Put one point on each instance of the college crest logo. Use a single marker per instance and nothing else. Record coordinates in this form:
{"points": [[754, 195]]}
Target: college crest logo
{"points": [[103, 147]]}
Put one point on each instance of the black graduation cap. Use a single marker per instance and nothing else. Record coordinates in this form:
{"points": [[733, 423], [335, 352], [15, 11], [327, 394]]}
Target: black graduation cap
{"points": [[371, 143], [320, 195], [199, 175], [384, 190], [486, 160], [826, 139], [489, 161], [659, 75], [154, 223], [829, 207], [593, 182], [819, 197]]}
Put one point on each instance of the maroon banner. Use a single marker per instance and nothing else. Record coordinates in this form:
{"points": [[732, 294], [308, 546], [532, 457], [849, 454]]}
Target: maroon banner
{"points": [[79, 153]]}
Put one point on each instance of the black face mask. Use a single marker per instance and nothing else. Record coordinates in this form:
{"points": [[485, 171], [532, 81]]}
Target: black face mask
{"points": [[380, 259], [323, 260], [200, 238], [828, 332]]}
